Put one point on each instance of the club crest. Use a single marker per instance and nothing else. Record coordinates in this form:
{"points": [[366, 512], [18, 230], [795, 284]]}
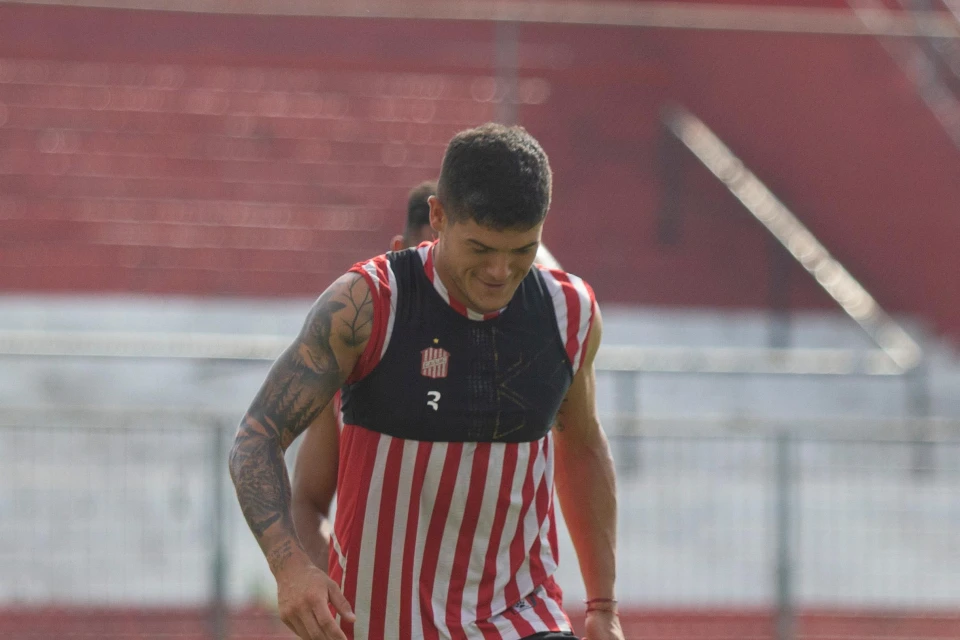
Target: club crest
{"points": [[433, 363]]}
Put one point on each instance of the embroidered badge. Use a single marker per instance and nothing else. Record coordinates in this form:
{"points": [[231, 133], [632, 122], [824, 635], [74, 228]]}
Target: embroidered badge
{"points": [[433, 363]]}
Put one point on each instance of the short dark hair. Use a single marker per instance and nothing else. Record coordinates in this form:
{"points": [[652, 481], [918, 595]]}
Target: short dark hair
{"points": [[418, 209], [497, 175]]}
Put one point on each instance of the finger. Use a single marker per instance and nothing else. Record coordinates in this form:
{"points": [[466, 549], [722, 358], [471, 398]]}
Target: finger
{"points": [[340, 603], [311, 626], [330, 629], [294, 625]]}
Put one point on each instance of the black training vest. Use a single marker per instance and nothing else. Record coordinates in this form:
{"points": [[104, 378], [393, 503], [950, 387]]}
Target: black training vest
{"points": [[446, 378]]}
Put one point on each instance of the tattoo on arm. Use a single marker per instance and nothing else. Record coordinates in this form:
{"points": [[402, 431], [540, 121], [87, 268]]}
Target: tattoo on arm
{"points": [[300, 384], [279, 555], [357, 329]]}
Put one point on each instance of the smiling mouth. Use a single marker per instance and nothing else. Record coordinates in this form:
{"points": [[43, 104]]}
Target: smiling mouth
{"points": [[493, 286]]}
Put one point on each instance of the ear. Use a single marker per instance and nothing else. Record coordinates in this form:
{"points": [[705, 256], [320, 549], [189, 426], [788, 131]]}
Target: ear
{"points": [[397, 244], [438, 218]]}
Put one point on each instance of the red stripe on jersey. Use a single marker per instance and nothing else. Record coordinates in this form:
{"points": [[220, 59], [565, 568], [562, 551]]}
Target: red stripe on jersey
{"points": [[517, 547], [335, 571], [524, 628], [387, 512], [487, 582], [465, 540], [537, 571], [352, 504], [434, 539], [380, 294], [489, 630], [573, 314], [543, 612], [555, 593], [458, 306], [552, 536], [410, 541]]}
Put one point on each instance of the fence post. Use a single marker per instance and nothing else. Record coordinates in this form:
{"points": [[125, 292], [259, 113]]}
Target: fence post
{"points": [[784, 532], [918, 409], [218, 565], [625, 406]]}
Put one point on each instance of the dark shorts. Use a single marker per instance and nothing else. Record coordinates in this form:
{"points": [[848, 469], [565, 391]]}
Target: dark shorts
{"points": [[551, 635]]}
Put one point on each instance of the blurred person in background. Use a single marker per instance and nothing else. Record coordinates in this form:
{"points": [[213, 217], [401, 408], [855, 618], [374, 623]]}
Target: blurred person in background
{"points": [[445, 524]]}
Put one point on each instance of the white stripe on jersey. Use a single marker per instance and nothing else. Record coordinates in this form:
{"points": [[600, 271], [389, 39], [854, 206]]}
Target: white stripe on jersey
{"points": [[428, 499], [368, 544], [371, 270], [488, 512], [559, 289], [399, 536], [511, 522], [586, 312], [531, 524], [451, 533], [424, 250], [393, 307]]}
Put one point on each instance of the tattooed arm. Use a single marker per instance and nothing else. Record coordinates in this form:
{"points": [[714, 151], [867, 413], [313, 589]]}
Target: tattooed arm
{"points": [[300, 384]]}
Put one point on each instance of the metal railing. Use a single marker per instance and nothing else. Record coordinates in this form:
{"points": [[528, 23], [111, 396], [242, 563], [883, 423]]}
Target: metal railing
{"points": [[130, 510]]}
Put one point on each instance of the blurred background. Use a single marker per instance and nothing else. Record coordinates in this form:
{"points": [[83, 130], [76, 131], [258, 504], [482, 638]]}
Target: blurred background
{"points": [[763, 193]]}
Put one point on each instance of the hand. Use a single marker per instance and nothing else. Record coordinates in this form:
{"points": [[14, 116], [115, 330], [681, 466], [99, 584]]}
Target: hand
{"points": [[603, 625], [304, 593]]}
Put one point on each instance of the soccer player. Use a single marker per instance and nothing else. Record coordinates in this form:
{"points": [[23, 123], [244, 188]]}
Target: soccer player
{"points": [[314, 477], [455, 360]]}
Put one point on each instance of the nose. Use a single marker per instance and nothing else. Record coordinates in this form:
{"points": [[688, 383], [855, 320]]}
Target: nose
{"points": [[498, 269]]}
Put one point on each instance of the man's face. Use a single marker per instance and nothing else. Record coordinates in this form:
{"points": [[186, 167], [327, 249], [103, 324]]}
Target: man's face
{"points": [[482, 267]]}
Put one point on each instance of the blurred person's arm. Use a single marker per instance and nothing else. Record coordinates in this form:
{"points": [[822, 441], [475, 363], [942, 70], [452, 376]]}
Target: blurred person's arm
{"points": [[298, 387], [315, 483], [586, 488]]}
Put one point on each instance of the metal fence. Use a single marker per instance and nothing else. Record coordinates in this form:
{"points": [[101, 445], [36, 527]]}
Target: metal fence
{"points": [[121, 523]]}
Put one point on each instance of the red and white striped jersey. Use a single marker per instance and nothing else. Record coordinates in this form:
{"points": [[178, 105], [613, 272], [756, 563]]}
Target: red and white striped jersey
{"points": [[449, 539]]}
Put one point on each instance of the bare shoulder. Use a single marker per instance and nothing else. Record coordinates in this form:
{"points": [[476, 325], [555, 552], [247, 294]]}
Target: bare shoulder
{"points": [[595, 335], [342, 317]]}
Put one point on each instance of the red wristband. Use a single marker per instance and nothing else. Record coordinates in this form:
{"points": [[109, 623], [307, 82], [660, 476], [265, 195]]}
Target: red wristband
{"points": [[607, 605], [600, 600]]}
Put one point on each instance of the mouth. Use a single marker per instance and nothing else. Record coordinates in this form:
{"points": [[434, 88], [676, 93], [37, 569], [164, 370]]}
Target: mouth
{"points": [[492, 286]]}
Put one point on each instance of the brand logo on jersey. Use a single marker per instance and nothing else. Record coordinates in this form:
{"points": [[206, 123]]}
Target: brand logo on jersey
{"points": [[527, 603], [433, 363]]}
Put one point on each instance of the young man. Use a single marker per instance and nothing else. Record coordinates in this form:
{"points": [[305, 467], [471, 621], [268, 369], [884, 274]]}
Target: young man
{"points": [[455, 359], [314, 472]]}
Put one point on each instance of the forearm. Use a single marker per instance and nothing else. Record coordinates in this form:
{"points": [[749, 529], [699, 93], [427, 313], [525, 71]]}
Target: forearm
{"points": [[586, 487], [311, 524], [260, 477]]}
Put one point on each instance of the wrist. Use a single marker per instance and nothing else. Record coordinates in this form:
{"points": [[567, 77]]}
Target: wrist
{"points": [[608, 613], [285, 556], [601, 605]]}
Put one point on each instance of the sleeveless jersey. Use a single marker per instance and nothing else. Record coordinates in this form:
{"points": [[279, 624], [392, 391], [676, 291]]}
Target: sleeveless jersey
{"points": [[445, 521]]}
